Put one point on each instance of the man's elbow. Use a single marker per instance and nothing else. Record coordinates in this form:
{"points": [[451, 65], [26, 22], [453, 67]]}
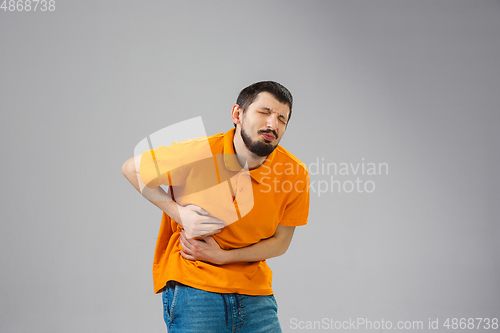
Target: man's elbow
{"points": [[284, 249], [283, 236], [281, 250], [128, 168]]}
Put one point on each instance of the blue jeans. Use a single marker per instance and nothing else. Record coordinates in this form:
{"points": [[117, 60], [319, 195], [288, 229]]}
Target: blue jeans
{"points": [[187, 309]]}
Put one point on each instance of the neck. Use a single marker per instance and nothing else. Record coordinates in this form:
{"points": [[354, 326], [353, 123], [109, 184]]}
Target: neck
{"points": [[244, 154]]}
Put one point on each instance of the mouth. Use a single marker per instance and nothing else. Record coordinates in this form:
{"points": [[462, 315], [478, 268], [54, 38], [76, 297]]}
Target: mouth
{"points": [[268, 137]]}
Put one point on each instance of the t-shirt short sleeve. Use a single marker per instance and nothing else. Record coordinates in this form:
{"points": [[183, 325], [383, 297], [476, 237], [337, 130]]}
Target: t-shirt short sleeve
{"points": [[159, 165], [166, 165], [297, 209]]}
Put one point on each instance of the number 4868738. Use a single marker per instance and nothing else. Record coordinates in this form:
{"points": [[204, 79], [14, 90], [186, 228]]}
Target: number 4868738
{"points": [[28, 5]]}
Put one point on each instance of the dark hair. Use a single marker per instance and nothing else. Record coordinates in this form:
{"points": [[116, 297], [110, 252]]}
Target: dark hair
{"points": [[248, 95]]}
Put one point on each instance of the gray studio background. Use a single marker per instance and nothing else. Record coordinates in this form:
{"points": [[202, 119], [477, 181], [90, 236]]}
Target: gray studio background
{"points": [[413, 84]]}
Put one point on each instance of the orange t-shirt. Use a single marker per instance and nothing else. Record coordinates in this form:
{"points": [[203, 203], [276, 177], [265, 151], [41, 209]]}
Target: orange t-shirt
{"points": [[205, 172]]}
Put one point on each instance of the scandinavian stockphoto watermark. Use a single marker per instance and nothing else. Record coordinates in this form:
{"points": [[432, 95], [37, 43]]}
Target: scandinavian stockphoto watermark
{"points": [[326, 177], [363, 324], [366, 324]]}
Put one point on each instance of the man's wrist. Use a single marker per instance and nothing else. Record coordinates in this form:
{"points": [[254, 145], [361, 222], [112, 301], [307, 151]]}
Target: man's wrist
{"points": [[171, 208]]}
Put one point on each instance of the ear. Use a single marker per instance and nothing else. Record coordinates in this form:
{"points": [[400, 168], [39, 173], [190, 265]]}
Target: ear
{"points": [[236, 114]]}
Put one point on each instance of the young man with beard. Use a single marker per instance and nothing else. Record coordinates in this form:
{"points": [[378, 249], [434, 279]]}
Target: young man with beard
{"points": [[224, 216]]}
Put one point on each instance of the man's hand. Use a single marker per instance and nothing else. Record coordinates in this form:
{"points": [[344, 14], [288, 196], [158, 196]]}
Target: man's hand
{"points": [[206, 249], [198, 222]]}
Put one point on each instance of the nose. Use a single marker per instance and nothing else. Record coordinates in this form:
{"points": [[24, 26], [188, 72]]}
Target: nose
{"points": [[272, 121]]}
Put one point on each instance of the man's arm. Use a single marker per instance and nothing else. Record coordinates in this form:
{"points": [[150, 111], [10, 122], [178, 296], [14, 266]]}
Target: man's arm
{"points": [[209, 250], [197, 221], [156, 196]]}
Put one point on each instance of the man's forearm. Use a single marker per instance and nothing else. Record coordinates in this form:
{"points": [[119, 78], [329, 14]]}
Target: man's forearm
{"points": [[162, 200], [265, 249], [210, 251], [157, 196]]}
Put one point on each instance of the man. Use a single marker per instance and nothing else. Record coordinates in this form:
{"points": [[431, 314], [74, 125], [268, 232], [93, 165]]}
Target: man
{"points": [[224, 215]]}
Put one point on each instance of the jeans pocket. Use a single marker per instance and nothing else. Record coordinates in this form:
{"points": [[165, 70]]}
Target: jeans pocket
{"points": [[173, 291], [271, 297], [166, 308]]}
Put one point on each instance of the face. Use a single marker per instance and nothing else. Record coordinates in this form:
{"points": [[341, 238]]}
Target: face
{"points": [[263, 124]]}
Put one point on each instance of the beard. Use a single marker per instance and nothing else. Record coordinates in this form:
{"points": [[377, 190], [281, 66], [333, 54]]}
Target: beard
{"points": [[258, 148]]}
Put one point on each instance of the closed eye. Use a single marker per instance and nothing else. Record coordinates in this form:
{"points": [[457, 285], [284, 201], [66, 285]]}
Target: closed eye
{"points": [[281, 118]]}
